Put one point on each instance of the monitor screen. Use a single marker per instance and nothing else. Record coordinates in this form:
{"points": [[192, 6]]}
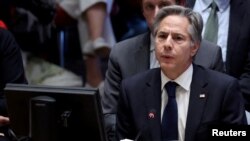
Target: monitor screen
{"points": [[55, 113]]}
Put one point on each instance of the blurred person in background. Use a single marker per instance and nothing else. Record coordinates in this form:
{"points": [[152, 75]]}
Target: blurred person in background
{"points": [[95, 34], [32, 24], [11, 71], [232, 36]]}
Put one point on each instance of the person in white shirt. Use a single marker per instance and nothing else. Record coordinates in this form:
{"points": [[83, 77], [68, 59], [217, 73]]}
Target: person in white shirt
{"points": [[233, 38]]}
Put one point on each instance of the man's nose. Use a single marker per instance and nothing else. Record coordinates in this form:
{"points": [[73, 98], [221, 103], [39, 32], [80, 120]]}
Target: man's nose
{"points": [[168, 42]]}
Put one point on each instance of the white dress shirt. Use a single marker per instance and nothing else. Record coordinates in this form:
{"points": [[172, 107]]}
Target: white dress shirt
{"points": [[153, 61], [182, 98], [202, 7]]}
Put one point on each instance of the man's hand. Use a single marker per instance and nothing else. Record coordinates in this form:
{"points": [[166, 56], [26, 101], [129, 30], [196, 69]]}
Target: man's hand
{"points": [[4, 120]]}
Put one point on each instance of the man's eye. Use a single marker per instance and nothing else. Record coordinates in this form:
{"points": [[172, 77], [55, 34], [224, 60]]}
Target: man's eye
{"points": [[162, 36], [149, 7], [178, 38]]}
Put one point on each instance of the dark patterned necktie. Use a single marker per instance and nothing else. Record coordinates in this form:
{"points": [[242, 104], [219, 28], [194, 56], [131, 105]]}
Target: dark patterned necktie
{"points": [[170, 115], [211, 30]]}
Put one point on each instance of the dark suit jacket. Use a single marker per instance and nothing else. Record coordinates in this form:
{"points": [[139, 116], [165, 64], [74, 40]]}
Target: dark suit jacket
{"points": [[238, 49], [11, 65], [131, 56], [141, 95]]}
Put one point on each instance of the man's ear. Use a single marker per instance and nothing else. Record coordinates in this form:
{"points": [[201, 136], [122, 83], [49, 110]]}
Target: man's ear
{"points": [[195, 48]]}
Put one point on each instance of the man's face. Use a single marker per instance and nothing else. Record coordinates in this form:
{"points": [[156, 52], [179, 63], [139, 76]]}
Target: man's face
{"points": [[151, 7], [173, 45]]}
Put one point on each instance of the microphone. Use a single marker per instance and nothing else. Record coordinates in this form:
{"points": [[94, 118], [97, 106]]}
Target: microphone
{"points": [[138, 135]]}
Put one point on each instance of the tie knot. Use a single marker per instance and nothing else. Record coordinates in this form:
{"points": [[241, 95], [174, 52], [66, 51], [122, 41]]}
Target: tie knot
{"points": [[171, 87], [214, 6]]}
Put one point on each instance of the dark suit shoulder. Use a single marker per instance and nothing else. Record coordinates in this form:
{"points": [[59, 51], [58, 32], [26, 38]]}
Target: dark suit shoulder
{"points": [[131, 55], [220, 75], [133, 39], [217, 77], [209, 55], [132, 43], [5, 35], [6, 38], [209, 49], [7, 41], [209, 44], [214, 79], [4, 31], [142, 77]]}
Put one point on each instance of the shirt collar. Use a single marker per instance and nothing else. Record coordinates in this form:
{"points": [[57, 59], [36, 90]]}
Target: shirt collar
{"points": [[152, 43], [184, 80], [222, 4]]}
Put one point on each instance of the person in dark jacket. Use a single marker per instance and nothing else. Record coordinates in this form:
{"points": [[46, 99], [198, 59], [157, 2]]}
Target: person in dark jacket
{"points": [[11, 70]]}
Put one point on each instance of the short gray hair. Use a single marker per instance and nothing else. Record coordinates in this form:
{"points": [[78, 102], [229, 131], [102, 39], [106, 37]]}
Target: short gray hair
{"points": [[194, 18]]}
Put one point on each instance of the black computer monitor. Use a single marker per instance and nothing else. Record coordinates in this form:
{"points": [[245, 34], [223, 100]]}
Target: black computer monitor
{"points": [[55, 113]]}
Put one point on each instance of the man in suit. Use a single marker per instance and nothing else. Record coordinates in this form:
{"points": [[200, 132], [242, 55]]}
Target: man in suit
{"points": [[11, 70], [203, 97], [137, 54], [234, 33], [11, 64]]}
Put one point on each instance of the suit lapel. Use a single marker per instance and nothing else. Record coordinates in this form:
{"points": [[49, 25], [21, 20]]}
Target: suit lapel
{"points": [[141, 55], [197, 100], [190, 3], [153, 104], [237, 10]]}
